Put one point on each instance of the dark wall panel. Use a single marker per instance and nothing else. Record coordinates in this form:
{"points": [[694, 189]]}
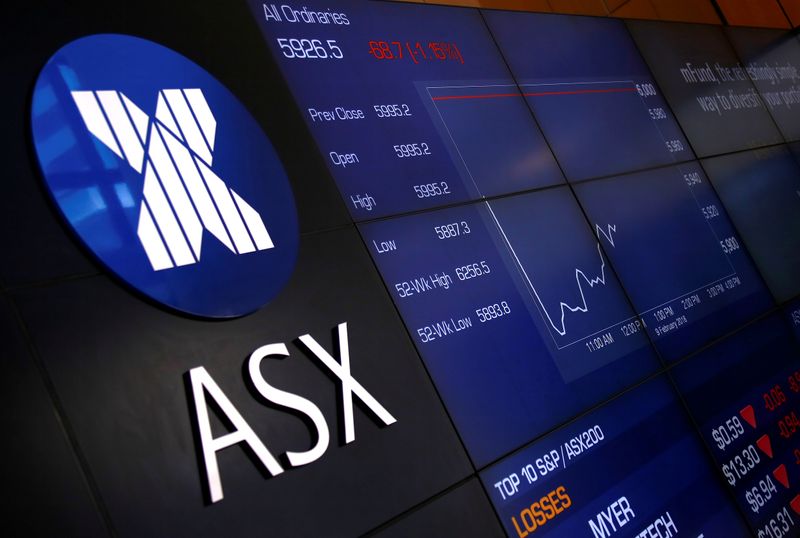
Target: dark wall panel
{"points": [[119, 367], [465, 511], [44, 492]]}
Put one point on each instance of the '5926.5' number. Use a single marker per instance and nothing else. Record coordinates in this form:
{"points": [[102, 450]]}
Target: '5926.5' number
{"points": [[311, 49]]}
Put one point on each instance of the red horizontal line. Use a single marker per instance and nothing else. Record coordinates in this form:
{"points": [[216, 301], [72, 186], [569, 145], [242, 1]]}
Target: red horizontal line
{"points": [[484, 96], [536, 94]]}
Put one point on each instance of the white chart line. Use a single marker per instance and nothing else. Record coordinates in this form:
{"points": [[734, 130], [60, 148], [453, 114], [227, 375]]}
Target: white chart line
{"points": [[560, 328]]}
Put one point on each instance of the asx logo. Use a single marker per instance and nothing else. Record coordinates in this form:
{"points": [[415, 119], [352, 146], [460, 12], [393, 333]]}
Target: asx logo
{"points": [[141, 192], [202, 385], [182, 195]]}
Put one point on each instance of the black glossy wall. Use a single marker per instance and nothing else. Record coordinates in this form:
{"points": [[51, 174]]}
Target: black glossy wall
{"points": [[98, 435]]}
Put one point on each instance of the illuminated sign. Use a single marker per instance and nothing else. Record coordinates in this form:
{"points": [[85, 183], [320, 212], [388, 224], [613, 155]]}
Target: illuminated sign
{"points": [[141, 192]]}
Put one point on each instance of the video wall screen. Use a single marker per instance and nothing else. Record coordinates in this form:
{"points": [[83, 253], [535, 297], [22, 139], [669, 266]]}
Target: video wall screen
{"points": [[743, 394], [707, 86], [677, 254], [411, 106], [772, 61], [634, 466], [529, 189], [761, 189], [570, 271], [592, 93], [509, 317]]}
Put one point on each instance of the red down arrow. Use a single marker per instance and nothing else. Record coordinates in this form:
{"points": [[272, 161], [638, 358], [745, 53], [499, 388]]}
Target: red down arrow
{"points": [[781, 475], [765, 445], [749, 415]]}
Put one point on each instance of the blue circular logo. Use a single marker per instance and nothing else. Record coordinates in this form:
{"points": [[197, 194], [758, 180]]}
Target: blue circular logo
{"points": [[164, 175]]}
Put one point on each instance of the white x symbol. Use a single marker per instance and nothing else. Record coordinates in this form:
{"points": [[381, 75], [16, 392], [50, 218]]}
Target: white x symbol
{"points": [[182, 195]]}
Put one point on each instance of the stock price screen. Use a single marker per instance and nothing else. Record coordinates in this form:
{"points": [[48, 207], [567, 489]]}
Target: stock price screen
{"points": [[707, 86], [753, 184], [632, 468], [668, 220], [581, 290], [520, 327], [410, 106], [772, 60], [744, 394], [592, 93]]}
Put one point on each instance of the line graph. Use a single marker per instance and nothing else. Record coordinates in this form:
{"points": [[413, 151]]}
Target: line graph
{"points": [[560, 327], [491, 137], [448, 102], [584, 148]]}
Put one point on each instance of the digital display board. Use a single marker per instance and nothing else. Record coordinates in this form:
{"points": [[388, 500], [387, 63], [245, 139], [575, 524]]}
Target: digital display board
{"points": [[772, 61], [515, 311], [411, 106], [744, 394], [502, 359], [761, 191], [677, 255], [633, 468], [706, 86], [591, 92]]}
